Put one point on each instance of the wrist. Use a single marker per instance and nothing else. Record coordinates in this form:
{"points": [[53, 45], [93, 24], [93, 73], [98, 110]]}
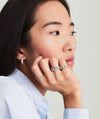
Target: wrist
{"points": [[73, 101]]}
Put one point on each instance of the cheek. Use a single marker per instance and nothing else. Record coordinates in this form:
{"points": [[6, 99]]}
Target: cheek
{"points": [[48, 52], [47, 48]]}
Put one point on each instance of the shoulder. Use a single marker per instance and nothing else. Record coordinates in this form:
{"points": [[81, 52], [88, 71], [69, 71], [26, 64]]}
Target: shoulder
{"points": [[8, 86], [11, 100], [10, 90], [7, 82]]}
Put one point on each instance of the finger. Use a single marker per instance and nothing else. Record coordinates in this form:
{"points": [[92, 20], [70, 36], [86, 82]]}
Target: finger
{"points": [[62, 63], [38, 59], [37, 71], [35, 68], [44, 64], [54, 63]]}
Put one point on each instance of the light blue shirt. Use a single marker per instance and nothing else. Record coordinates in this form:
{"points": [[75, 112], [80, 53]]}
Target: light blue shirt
{"points": [[20, 99]]}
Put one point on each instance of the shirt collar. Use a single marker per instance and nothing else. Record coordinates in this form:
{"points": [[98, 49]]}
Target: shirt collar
{"points": [[31, 89]]}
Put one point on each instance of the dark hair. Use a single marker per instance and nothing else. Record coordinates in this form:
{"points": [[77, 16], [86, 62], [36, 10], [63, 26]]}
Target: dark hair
{"points": [[16, 19]]}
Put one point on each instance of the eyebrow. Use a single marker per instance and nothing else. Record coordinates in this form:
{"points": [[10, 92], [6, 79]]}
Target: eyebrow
{"points": [[56, 23]]}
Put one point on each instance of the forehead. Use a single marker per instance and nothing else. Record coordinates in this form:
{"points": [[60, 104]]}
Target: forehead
{"points": [[52, 11]]}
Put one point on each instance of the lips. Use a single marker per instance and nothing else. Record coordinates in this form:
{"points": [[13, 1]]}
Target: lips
{"points": [[70, 60]]}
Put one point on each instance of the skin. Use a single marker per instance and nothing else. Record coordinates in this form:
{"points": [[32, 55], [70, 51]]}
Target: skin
{"points": [[54, 47]]}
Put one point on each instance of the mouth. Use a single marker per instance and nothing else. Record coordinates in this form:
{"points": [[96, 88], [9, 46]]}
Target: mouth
{"points": [[70, 60]]}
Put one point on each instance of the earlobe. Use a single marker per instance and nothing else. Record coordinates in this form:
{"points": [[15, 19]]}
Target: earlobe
{"points": [[20, 54]]}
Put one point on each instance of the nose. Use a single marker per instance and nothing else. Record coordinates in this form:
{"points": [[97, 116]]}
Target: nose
{"points": [[70, 46]]}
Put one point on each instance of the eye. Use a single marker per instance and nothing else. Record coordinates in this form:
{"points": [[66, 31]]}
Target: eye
{"points": [[55, 33], [72, 33]]}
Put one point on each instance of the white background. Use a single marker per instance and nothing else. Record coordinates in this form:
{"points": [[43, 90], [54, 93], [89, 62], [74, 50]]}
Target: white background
{"points": [[85, 14]]}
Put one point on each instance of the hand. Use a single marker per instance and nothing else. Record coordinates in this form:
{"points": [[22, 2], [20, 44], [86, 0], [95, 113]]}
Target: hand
{"points": [[63, 81]]}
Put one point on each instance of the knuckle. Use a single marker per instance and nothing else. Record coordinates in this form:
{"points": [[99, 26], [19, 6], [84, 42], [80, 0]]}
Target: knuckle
{"points": [[42, 62], [67, 74], [53, 59], [61, 80], [43, 82], [53, 83], [45, 85]]}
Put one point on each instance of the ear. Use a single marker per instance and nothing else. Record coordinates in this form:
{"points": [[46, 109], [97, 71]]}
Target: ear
{"points": [[21, 53]]}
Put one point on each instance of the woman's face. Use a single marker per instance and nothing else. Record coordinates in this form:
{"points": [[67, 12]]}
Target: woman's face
{"points": [[52, 33]]}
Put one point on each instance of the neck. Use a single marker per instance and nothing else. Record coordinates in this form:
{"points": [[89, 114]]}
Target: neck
{"points": [[30, 75]]}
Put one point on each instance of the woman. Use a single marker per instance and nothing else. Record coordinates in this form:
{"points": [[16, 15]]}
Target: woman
{"points": [[37, 49]]}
